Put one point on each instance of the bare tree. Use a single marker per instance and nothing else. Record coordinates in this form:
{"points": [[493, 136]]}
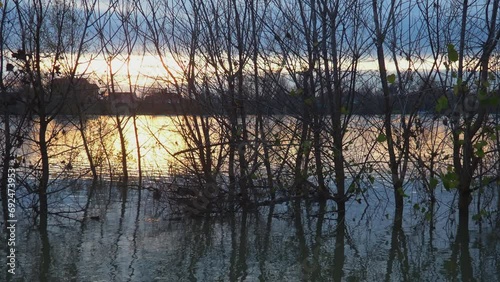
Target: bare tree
{"points": [[470, 126], [381, 31], [51, 42], [176, 42], [10, 86]]}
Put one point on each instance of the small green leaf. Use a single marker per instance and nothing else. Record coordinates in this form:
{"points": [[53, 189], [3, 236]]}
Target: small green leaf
{"points": [[381, 138], [479, 148], [480, 153], [433, 182], [352, 187], [491, 76], [480, 144], [296, 92], [450, 179], [391, 78], [442, 104], [306, 145], [452, 53], [492, 136], [478, 216], [402, 193], [371, 179], [309, 101]]}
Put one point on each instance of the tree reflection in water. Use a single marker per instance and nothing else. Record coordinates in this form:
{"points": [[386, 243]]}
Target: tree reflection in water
{"points": [[459, 266], [398, 253], [135, 240], [45, 257]]}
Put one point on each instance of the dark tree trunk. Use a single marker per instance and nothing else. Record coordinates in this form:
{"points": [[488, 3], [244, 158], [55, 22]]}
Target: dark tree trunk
{"points": [[138, 147], [123, 147], [397, 182], [87, 150], [464, 199], [44, 180]]}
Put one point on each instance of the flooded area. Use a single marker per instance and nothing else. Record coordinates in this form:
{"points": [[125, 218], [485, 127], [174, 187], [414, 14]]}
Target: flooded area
{"points": [[126, 235], [109, 231]]}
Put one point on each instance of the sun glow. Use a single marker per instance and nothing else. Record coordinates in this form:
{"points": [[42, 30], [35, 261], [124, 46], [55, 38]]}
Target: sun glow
{"points": [[139, 72], [133, 72]]}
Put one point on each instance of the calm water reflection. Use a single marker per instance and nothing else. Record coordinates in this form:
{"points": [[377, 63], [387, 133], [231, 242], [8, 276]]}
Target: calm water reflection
{"points": [[136, 240], [128, 236]]}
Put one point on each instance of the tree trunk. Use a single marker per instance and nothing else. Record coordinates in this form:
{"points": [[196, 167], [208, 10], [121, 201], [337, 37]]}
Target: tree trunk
{"points": [[464, 199], [323, 191], [299, 160], [397, 182], [123, 149], [44, 180], [86, 148], [138, 147]]}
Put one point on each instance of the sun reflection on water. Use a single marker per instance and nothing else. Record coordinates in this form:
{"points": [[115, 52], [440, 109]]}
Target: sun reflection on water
{"points": [[161, 140]]}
